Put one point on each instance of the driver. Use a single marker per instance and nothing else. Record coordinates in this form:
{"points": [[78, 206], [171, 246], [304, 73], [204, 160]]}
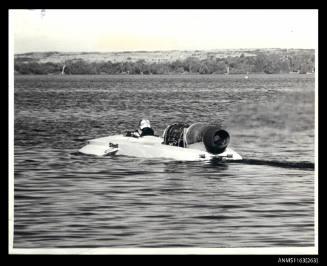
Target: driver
{"points": [[143, 129]]}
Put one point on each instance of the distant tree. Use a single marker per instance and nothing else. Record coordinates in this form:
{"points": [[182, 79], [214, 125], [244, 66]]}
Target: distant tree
{"points": [[204, 69], [192, 64], [140, 66], [260, 63], [268, 68], [80, 67], [30, 68], [220, 67], [284, 66], [176, 66]]}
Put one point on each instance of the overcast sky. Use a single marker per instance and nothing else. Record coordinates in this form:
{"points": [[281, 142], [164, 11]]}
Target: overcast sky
{"points": [[130, 30]]}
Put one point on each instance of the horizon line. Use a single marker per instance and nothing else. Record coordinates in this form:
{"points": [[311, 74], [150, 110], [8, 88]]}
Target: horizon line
{"points": [[170, 50]]}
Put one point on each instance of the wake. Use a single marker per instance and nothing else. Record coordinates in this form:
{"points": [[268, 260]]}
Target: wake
{"points": [[283, 164]]}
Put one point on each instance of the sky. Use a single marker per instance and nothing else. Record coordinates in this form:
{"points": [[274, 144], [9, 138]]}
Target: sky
{"points": [[161, 29]]}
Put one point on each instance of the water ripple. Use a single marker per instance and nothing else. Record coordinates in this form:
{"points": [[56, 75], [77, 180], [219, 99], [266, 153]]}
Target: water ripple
{"points": [[67, 199]]}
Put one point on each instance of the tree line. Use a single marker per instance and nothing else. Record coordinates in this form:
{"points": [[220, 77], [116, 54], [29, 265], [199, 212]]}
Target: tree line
{"points": [[261, 63]]}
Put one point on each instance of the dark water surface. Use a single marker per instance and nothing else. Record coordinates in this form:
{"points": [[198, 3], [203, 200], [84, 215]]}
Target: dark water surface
{"points": [[67, 199]]}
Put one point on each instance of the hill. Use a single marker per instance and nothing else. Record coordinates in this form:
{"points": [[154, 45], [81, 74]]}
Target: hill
{"points": [[165, 62]]}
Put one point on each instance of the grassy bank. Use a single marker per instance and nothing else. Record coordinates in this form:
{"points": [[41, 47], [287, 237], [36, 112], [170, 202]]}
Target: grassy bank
{"points": [[257, 61]]}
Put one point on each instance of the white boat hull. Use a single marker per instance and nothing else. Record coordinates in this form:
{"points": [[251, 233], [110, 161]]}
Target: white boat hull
{"points": [[151, 147]]}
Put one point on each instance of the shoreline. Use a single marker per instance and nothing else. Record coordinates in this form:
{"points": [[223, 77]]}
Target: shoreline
{"points": [[172, 74]]}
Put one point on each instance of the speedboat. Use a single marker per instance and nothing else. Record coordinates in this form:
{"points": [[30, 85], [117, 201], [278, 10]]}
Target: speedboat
{"points": [[198, 142]]}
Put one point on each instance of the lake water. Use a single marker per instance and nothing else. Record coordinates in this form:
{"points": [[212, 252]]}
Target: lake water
{"points": [[67, 199]]}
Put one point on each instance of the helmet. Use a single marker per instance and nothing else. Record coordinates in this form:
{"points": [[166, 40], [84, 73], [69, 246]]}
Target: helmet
{"points": [[144, 123]]}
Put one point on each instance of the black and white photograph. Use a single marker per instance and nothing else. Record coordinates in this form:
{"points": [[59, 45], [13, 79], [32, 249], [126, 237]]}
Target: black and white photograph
{"points": [[163, 131]]}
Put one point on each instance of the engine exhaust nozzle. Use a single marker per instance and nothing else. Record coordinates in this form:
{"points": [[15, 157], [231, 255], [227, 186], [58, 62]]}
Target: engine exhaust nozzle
{"points": [[216, 139]]}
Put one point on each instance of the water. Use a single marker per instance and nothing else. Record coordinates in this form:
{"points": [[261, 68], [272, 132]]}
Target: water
{"points": [[67, 199]]}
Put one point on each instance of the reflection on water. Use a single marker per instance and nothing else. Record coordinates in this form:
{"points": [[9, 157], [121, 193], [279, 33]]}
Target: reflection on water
{"points": [[67, 199]]}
